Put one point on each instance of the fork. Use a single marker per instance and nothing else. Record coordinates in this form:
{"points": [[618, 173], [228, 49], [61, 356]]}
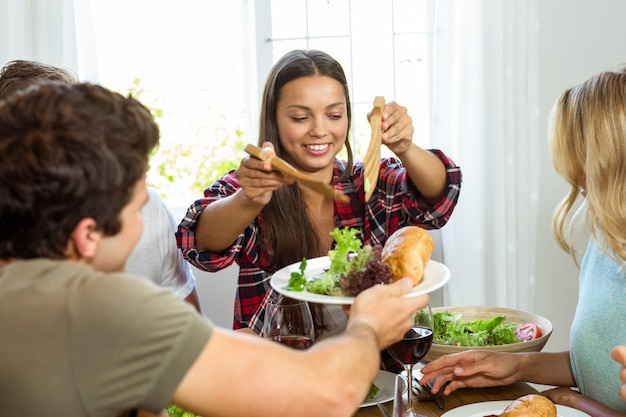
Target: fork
{"points": [[424, 394]]}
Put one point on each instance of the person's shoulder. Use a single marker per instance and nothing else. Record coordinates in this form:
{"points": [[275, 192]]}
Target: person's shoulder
{"points": [[156, 212], [47, 270], [118, 284], [79, 281], [154, 194], [124, 293], [155, 201]]}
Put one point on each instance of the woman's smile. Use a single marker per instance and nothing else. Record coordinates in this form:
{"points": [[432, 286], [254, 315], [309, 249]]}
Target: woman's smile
{"points": [[318, 149]]}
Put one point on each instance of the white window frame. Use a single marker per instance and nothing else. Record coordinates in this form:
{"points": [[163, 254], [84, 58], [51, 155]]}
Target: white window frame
{"points": [[257, 26]]}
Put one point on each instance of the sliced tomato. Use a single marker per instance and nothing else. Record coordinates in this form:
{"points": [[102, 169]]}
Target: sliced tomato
{"points": [[528, 331]]}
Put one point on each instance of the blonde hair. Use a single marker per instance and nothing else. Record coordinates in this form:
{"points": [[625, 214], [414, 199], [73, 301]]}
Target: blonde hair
{"points": [[587, 136]]}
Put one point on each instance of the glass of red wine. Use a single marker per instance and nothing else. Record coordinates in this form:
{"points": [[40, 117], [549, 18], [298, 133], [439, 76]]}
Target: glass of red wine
{"points": [[289, 322], [411, 349]]}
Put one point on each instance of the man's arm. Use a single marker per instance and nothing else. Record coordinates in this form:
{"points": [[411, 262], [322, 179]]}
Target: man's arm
{"points": [[238, 374]]}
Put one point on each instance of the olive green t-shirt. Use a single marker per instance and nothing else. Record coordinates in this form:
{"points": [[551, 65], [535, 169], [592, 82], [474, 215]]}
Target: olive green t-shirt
{"points": [[75, 342]]}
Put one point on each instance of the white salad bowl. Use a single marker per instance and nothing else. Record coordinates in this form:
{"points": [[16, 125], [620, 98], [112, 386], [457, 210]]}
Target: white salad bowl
{"points": [[484, 313]]}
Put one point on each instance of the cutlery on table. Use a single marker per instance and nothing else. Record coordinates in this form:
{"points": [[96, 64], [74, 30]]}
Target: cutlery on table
{"points": [[424, 394], [371, 161], [398, 401], [304, 179]]}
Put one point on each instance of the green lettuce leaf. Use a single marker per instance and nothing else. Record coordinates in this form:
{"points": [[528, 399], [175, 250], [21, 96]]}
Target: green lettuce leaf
{"points": [[450, 329]]}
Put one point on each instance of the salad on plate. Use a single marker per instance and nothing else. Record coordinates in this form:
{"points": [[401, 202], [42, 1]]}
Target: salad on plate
{"points": [[353, 268]]}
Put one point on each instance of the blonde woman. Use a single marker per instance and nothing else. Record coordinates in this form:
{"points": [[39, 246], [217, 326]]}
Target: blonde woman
{"points": [[588, 148]]}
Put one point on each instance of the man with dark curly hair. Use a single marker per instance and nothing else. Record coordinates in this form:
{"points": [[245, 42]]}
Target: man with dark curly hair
{"points": [[156, 256]]}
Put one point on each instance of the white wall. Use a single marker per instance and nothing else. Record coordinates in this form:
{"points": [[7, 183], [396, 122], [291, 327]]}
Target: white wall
{"points": [[217, 294], [577, 39]]}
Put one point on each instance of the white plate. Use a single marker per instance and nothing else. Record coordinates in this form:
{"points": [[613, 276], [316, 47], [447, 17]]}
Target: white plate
{"points": [[496, 407], [386, 381], [436, 275]]}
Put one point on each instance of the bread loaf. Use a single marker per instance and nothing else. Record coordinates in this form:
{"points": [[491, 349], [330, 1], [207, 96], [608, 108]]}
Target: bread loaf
{"points": [[407, 252], [532, 405]]}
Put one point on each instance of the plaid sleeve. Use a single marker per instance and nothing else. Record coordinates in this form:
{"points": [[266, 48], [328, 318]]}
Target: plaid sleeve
{"points": [[394, 204], [185, 235], [254, 265], [397, 203], [441, 211]]}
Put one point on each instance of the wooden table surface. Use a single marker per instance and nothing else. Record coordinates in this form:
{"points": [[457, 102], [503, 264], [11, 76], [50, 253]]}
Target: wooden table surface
{"points": [[458, 398]]}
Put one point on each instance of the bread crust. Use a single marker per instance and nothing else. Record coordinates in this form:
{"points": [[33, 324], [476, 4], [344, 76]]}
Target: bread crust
{"points": [[407, 252], [532, 405]]}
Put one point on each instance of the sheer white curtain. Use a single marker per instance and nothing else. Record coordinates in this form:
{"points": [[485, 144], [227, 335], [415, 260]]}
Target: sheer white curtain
{"points": [[486, 115], [45, 31]]}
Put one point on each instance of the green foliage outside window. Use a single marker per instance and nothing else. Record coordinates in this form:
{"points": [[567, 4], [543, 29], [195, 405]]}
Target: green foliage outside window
{"points": [[186, 163]]}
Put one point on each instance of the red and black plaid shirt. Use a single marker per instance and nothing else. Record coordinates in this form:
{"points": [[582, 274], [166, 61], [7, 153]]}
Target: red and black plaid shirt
{"points": [[392, 206]]}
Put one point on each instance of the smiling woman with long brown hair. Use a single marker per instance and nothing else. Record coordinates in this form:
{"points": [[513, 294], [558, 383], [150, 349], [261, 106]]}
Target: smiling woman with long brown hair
{"points": [[263, 221]]}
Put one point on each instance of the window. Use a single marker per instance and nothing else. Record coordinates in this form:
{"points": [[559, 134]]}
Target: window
{"points": [[200, 66], [184, 61], [383, 46]]}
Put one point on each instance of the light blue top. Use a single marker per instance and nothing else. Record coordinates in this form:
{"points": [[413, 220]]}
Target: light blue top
{"points": [[599, 325]]}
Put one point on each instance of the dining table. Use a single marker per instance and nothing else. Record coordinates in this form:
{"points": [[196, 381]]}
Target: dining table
{"points": [[459, 398]]}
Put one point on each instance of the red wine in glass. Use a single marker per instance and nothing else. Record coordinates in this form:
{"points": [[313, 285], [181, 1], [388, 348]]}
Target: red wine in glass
{"points": [[294, 342], [413, 346], [411, 349], [289, 322]]}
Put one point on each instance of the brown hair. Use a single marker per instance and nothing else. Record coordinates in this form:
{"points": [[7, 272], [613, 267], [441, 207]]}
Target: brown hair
{"points": [[19, 74], [588, 149], [284, 214], [68, 152]]}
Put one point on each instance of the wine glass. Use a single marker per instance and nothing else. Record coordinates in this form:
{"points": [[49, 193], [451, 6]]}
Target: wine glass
{"points": [[411, 349], [289, 322]]}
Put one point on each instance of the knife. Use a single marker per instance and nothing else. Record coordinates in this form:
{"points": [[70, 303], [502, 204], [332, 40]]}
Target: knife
{"points": [[398, 401], [424, 392], [439, 400]]}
